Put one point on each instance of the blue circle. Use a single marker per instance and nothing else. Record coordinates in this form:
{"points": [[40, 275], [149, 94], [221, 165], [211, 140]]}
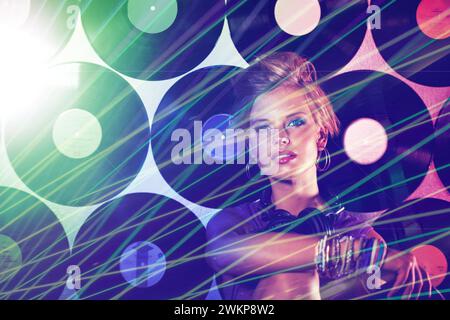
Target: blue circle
{"points": [[143, 264]]}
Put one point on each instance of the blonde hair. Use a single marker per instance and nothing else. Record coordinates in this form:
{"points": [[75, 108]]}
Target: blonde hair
{"points": [[284, 69]]}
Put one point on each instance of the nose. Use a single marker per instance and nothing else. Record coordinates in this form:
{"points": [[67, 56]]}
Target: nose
{"points": [[284, 138], [284, 141]]}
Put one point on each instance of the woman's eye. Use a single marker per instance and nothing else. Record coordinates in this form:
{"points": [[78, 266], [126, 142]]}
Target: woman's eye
{"points": [[296, 123]]}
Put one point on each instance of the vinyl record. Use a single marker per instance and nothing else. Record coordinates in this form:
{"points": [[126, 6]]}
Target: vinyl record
{"points": [[328, 33], [423, 226], [202, 172], [153, 39], [442, 154], [385, 143], [34, 250], [414, 39], [42, 27], [83, 138], [142, 246]]}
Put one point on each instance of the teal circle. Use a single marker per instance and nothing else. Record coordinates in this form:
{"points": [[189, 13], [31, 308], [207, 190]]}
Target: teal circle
{"points": [[152, 16], [10, 258]]}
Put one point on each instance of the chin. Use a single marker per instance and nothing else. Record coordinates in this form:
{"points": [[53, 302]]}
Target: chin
{"points": [[288, 171], [285, 172]]}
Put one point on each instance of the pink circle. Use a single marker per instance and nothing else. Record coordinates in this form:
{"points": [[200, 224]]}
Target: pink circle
{"points": [[365, 141], [433, 261], [296, 17], [433, 18]]}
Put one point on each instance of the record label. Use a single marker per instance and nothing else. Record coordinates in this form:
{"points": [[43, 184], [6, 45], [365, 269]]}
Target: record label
{"points": [[10, 258], [433, 261], [422, 226], [143, 264]]}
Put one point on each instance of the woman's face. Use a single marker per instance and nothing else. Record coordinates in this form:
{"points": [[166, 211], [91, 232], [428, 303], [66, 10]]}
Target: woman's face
{"points": [[299, 137]]}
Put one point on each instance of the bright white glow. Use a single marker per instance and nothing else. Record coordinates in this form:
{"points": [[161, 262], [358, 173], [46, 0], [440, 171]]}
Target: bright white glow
{"points": [[23, 70], [365, 141], [65, 75], [77, 133], [14, 13]]}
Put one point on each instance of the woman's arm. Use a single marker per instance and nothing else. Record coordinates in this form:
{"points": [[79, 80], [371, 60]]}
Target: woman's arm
{"points": [[230, 251]]}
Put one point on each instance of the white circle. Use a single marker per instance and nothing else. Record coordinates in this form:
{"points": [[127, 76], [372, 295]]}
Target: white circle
{"points": [[365, 141], [153, 8], [297, 18], [77, 133]]}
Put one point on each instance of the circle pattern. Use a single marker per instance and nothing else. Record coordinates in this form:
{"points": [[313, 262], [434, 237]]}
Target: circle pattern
{"points": [[103, 245], [407, 123], [35, 250], [259, 27], [203, 166], [154, 44], [418, 56], [417, 224], [76, 181]]}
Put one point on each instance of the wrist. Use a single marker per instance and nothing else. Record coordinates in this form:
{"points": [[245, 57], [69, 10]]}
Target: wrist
{"points": [[372, 252], [335, 256], [357, 248]]}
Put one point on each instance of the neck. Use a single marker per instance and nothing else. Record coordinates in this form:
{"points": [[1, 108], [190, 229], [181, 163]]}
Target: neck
{"points": [[294, 195]]}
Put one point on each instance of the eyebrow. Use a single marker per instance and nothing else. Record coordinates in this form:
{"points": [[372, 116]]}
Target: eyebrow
{"points": [[296, 113], [266, 120], [258, 120]]}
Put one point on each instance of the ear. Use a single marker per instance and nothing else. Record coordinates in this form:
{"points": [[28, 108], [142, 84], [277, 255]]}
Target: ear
{"points": [[322, 139]]}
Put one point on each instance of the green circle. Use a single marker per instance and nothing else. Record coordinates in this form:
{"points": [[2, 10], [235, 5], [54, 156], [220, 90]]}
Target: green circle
{"points": [[77, 133], [152, 16], [10, 258]]}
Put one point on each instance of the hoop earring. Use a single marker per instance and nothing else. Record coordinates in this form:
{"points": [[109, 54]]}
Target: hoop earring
{"points": [[327, 160]]}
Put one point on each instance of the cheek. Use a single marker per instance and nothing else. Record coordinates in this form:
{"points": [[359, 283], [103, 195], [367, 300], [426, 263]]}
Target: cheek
{"points": [[305, 143]]}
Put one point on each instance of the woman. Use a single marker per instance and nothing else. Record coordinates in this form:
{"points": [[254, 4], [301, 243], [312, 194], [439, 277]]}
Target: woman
{"points": [[257, 248]]}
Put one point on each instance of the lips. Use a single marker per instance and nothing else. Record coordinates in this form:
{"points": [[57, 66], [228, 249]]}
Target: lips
{"points": [[285, 156]]}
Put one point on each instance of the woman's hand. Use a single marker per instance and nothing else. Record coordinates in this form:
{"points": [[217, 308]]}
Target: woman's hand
{"points": [[410, 276]]}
